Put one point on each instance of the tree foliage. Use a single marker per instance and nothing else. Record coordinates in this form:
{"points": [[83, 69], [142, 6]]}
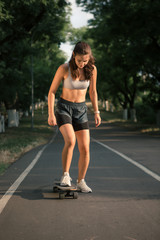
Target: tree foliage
{"points": [[127, 40], [29, 27]]}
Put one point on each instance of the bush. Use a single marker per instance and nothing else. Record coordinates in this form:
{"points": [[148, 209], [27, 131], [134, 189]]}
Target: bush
{"points": [[145, 113]]}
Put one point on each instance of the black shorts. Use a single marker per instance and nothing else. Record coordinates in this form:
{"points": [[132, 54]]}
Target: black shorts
{"points": [[73, 113]]}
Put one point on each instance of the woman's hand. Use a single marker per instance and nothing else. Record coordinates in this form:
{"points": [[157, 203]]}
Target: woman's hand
{"points": [[97, 119], [52, 120]]}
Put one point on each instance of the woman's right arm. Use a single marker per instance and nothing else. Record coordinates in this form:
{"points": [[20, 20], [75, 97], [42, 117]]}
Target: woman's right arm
{"points": [[51, 95]]}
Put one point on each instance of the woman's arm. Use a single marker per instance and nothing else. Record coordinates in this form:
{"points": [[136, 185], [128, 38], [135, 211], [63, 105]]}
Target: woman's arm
{"points": [[94, 97], [51, 95]]}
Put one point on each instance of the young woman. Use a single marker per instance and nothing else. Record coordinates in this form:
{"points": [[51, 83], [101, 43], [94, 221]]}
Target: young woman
{"points": [[71, 110]]}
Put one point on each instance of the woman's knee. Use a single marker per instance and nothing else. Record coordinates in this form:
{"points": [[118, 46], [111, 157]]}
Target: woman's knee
{"points": [[84, 149], [70, 142], [68, 135]]}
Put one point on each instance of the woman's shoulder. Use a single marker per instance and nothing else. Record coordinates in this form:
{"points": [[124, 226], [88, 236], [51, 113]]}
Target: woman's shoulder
{"points": [[63, 70], [94, 68], [64, 67]]}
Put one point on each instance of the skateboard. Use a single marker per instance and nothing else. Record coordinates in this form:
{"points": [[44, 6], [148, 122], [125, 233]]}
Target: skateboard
{"points": [[65, 191]]}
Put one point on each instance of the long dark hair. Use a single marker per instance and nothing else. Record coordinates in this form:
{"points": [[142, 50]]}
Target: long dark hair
{"points": [[82, 48]]}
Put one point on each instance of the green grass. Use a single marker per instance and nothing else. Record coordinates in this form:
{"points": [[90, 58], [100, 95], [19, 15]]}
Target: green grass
{"points": [[108, 116], [116, 117], [3, 167], [17, 140], [112, 116]]}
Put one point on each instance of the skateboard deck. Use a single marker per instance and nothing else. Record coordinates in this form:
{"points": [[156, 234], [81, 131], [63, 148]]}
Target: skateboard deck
{"points": [[65, 191]]}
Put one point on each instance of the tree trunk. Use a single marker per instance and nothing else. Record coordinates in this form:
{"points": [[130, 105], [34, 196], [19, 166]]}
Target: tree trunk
{"points": [[158, 118], [103, 105], [2, 124], [133, 114], [26, 114], [111, 107], [125, 114], [13, 118], [106, 105]]}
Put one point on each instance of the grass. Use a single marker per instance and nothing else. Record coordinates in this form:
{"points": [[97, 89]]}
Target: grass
{"points": [[116, 117], [18, 140], [108, 116]]}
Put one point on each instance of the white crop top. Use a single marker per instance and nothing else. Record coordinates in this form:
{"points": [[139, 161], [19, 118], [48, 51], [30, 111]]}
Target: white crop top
{"points": [[75, 84]]}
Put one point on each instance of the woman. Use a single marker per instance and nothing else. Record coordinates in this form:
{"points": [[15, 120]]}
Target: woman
{"points": [[71, 110]]}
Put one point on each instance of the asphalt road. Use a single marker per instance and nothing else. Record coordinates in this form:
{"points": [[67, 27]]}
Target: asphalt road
{"points": [[124, 205]]}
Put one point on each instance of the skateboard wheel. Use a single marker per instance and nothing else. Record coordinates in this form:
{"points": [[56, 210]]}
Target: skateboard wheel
{"points": [[61, 195], [75, 195]]}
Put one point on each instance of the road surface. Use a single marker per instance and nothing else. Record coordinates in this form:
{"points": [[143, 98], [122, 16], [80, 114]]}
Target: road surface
{"points": [[124, 205]]}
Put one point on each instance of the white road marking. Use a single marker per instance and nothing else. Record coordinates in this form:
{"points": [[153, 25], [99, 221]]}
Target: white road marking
{"points": [[144, 169], [4, 200]]}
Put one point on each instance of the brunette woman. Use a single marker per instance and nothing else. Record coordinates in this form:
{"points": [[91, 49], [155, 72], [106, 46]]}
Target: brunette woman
{"points": [[71, 111]]}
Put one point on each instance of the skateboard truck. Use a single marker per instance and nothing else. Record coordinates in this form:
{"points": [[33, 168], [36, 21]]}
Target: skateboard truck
{"points": [[64, 192]]}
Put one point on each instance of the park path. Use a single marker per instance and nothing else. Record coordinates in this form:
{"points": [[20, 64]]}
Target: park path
{"points": [[124, 205]]}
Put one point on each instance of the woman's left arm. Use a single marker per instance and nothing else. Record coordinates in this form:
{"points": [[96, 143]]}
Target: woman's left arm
{"points": [[94, 97]]}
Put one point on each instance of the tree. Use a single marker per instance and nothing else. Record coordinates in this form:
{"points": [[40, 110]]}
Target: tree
{"points": [[29, 27], [77, 34], [127, 36]]}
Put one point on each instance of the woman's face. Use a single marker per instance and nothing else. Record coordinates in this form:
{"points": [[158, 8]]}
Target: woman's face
{"points": [[81, 60]]}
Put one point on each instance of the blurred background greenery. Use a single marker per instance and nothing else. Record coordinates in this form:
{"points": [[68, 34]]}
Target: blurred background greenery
{"points": [[125, 39], [124, 36]]}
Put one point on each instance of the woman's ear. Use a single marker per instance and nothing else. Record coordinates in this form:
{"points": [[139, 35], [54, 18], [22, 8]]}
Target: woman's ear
{"points": [[73, 54]]}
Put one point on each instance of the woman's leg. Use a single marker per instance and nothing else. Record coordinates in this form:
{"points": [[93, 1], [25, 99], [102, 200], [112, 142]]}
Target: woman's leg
{"points": [[69, 143], [83, 139]]}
